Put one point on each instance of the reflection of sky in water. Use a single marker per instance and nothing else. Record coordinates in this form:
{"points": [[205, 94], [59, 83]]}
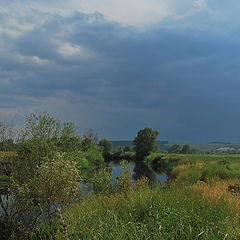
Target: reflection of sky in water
{"points": [[116, 169]]}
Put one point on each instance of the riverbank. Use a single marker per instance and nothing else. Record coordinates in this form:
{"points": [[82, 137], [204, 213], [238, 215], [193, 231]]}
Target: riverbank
{"points": [[161, 213]]}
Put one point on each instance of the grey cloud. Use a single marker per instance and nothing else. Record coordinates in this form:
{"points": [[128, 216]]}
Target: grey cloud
{"points": [[182, 82]]}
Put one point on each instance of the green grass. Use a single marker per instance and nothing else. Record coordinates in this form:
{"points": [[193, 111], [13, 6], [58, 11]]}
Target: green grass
{"points": [[142, 213], [190, 168]]}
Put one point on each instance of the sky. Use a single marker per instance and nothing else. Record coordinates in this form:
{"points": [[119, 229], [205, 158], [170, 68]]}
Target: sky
{"points": [[117, 66]]}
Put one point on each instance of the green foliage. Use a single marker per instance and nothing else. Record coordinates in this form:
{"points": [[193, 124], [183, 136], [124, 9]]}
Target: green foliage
{"points": [[90, 137], [186, 149], [128, 156], [41, 126], [107, 146], [41, 137], [128, 149], [53, 185], [94, 155], [117, 154], [124, 182], [7, 136], [44, 232], [103, 182], [145, 142], [162, 163], [69, 140], [45, 170], [174, 149], [61, 175]]}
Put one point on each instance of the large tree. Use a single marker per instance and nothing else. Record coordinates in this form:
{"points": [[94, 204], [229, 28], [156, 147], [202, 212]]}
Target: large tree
{"points": [[175, 148], [107, 147], [145, 142]]}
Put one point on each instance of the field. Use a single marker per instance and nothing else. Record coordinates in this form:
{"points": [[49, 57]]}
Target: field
{"points": [[211, 147]]}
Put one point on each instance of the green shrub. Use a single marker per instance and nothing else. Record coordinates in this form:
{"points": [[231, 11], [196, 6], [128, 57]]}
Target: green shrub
{"points": [[124, 182], [129, 156], [102, 182]]}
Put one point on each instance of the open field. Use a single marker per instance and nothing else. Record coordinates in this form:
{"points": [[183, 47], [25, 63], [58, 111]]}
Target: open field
{"points": [[199, 147]]}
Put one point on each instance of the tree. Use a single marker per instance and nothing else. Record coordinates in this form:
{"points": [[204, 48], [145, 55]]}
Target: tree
{"points": [[174, 149], [107, 146], [186, 149], [7, 136], [145, 142], [40, 138], [90, 137], [128, 149]]}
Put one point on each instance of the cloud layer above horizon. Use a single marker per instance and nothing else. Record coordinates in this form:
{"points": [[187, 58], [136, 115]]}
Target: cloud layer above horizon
{"points": [[116, 67]]}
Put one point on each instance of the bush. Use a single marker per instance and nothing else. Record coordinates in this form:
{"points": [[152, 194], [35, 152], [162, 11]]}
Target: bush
{"points": [[103, 182]]}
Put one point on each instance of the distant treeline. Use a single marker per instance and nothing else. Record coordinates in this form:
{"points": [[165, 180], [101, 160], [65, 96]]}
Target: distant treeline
{"points": [[163, 145]]}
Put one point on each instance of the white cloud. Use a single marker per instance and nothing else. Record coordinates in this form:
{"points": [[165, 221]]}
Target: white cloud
{"points": [[140, 13], [137, 13], [71, 50]]}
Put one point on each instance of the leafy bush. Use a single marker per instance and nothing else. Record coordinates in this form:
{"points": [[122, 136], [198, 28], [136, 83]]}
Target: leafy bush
{"points": [[103, 182], [128, 156]]}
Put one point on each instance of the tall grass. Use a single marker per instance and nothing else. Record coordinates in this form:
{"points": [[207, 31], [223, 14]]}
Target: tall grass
{"points": [[144, 213], [216, 193]]}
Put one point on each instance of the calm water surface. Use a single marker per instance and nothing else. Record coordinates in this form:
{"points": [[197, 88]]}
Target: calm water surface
{"points": [[139, 170]]}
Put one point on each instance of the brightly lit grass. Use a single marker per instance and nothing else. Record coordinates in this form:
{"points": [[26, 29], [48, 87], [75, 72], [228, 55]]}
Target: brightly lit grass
{"points": [[200, 157], [217, 192], [190, 168]]}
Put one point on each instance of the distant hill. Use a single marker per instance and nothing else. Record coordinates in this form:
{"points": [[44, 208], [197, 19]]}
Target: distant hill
{"points": [[211, 147]]}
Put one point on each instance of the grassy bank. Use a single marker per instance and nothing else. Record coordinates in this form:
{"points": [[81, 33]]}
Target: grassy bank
{"points": [[191, 168], [160, 213]]}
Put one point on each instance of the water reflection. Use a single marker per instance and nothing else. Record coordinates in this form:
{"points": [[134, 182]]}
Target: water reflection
{"points": [[142, 170], [139, 170]]}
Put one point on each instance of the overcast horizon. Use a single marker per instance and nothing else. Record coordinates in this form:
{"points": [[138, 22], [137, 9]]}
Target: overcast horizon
{"points": [[117, 66]]}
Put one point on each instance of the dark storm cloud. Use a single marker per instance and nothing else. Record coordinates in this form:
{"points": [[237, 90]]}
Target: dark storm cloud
{"points": [[181, 81]]}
